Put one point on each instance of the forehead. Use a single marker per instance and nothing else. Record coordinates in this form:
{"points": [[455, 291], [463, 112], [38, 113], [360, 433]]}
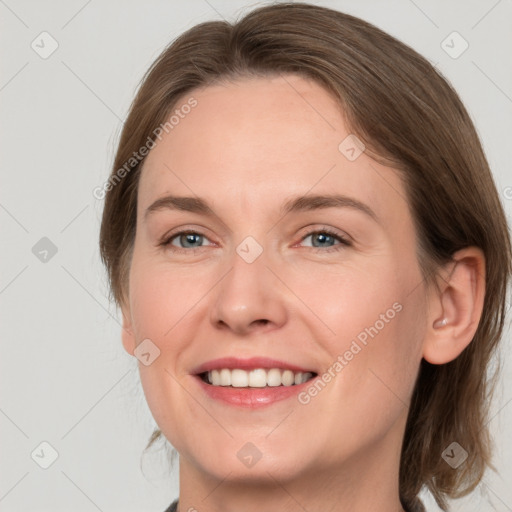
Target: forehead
{"points": [[259, 141]]}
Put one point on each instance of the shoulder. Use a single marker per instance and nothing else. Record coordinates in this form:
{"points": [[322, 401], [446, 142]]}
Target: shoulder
{"points": [[416, 506], [172, 507]]}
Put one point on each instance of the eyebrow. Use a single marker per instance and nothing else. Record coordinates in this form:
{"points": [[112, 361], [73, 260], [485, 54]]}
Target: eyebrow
{"points": [[293, 205]]}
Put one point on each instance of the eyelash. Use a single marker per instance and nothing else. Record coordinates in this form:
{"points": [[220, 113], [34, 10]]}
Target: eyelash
{"points": [[166, 242]]}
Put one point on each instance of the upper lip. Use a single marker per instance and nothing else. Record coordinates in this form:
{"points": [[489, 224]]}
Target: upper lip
{"points": [[247, 364]]}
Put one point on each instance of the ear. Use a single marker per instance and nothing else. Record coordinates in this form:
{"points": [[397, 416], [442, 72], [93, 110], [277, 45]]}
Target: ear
{"points": [[455, 309], [127, 335]]}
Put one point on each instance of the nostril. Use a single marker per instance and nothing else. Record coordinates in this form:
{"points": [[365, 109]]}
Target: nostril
{"points": [[260, 323]]}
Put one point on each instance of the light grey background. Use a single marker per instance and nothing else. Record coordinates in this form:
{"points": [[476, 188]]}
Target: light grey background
{"points": [[65, 378]]}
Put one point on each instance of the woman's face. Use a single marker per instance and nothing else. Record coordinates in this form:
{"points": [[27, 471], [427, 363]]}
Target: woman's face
{"points": [[261, 286]]}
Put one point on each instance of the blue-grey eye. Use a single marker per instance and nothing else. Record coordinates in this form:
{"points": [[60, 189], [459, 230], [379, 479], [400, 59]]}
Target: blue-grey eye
{"points": [[190, 239], [322, 238]]}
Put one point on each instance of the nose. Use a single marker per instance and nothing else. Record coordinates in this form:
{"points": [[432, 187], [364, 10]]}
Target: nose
{"points": [[249, 298]]}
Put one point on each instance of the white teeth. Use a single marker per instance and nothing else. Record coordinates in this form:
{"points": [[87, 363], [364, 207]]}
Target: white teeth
{"points": [[215, 377], [274, 377], [225, 377], [288, 378], [239, 378], [258, 378]]}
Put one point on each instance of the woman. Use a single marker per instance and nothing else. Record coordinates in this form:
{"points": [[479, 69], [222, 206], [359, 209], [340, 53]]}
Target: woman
{"points": [[311, 258]]}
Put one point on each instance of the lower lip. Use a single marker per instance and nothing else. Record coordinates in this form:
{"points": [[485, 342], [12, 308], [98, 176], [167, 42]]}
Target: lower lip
{"points": [[251, 398]]}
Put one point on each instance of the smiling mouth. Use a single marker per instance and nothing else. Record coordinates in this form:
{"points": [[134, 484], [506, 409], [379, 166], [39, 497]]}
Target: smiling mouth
{"points": [[257, 378]]}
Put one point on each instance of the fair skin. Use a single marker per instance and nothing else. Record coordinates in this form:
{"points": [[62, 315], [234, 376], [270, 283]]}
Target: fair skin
{"points": [[246, 148]]}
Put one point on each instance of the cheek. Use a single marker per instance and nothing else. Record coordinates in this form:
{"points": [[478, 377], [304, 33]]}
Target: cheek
{"points": [[163, 310], [352, 299], [380, 376], [372, 390], [162, 298], [377, 321]]}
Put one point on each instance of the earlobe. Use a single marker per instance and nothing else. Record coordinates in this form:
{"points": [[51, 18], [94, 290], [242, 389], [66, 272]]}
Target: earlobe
{"points": [[456, 309], [127, 335]]}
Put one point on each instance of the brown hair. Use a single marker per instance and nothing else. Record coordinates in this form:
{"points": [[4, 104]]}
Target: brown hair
{"points": [[406, 114]]}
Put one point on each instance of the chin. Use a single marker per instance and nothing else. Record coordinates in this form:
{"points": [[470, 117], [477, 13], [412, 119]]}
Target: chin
{"points": [[251, 462]]}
